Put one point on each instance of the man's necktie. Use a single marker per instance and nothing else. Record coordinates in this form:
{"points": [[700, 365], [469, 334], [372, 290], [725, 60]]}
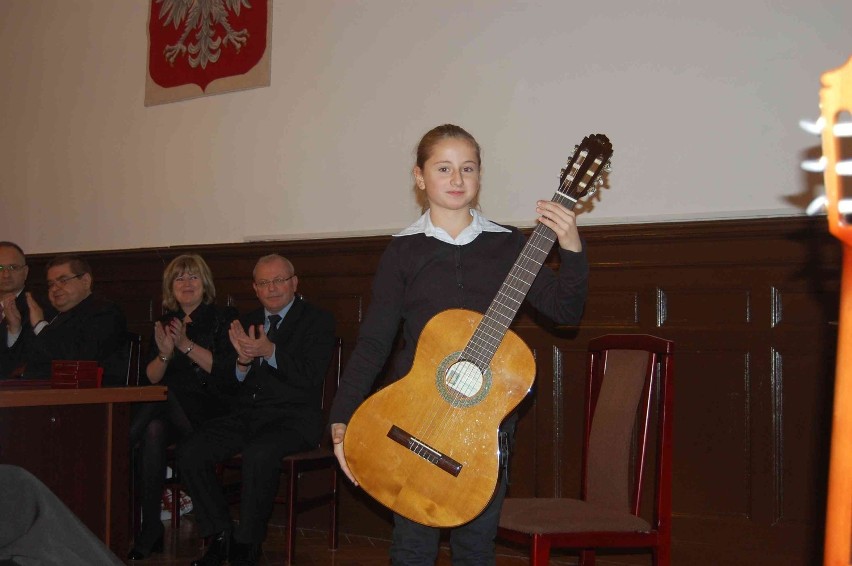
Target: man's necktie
{"points": [[274, 319]]}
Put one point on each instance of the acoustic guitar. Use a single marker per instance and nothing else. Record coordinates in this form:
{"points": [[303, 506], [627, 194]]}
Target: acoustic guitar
{"points": [[836, 98], [426, 446]]}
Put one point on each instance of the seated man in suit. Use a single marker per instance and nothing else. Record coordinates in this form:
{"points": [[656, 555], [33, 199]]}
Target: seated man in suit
{"points": [[16, 332], [87, 327], [283, 352]]}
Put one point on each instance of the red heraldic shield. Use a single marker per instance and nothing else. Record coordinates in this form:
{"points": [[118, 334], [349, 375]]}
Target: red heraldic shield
{"points": [[199, 41]]}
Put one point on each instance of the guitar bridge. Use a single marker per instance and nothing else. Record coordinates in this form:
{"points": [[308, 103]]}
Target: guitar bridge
{"points": [[425, 451]]}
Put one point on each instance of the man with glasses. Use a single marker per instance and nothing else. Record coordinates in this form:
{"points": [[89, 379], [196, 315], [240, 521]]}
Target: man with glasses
{"points": [[16, 332], [283, 352], [88, 327]]}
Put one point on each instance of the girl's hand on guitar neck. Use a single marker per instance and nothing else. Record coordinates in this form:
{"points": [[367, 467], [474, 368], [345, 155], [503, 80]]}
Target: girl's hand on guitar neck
{"points": [[338, 431], [562, 221]]}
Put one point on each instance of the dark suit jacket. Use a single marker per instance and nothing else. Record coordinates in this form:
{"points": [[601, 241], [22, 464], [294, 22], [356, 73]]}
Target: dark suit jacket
{"points": [[293, 392], [11, 358], [95, 329]]}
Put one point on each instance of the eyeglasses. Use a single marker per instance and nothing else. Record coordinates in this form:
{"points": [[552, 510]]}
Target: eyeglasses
{"points": [[182, 278], [11, 267], [62, 281], [266, 283]]}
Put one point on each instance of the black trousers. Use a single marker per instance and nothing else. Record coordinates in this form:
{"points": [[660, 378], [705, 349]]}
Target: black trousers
{"points": [[263, 436], [154, 426], [37, 528], [471, 544]]}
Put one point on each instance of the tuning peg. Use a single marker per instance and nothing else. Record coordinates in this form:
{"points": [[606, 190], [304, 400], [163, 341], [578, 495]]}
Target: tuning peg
{"points": [[840, 129], [608, 167], [599, 181], [814, 165], [562, 172], [819, 204], [813, 127], [592, 190]]}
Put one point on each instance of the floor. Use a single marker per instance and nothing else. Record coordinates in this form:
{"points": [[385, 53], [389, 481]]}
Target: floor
{"points": [[312, 549]]}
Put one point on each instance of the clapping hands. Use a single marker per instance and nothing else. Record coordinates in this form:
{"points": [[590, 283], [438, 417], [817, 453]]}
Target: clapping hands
{"points": [[10, 313], [253, 344], [169, 335]]}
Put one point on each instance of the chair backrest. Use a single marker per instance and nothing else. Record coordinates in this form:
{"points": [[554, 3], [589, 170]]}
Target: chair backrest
{"points": [[332, 378], [134, 358], [628, 388]]}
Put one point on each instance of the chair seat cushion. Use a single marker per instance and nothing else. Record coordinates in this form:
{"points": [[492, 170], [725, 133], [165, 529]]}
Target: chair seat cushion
{"points": [[541, 515]]}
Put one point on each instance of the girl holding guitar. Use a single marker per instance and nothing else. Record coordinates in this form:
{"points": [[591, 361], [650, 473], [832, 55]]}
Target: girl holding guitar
{"points": [[451, 257]]}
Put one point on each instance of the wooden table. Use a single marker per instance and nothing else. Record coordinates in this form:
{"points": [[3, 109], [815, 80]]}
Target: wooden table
{"points": [[76, 441]]}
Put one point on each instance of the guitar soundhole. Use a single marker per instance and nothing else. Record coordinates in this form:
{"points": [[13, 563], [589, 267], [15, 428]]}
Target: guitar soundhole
{"points": [[462, 383]]}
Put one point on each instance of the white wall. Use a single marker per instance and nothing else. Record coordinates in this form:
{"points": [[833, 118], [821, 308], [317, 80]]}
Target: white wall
{"points": [[700, 99]]}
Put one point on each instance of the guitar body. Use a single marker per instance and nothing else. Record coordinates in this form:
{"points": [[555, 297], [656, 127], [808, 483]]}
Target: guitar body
{"points": [[426, 446]]}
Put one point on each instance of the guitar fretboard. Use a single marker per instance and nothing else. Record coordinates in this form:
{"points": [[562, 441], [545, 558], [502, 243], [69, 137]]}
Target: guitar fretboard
{"points": [[500, 314]]}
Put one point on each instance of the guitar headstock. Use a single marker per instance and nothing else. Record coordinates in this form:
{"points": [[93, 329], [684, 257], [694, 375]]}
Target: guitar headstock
{"points": [[835, 97], [582, 175]]}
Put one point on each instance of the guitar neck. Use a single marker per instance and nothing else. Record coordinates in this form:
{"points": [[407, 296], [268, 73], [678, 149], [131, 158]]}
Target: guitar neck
{"points": [[500, 314], [576, 180], [835, 98]]}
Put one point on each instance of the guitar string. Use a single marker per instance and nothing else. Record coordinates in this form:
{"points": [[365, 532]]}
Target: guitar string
{"points": [[525, 270], [518, 282]]}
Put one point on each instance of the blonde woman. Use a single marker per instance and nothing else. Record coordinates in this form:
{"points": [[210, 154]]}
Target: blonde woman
{"points": [[189, 344]]}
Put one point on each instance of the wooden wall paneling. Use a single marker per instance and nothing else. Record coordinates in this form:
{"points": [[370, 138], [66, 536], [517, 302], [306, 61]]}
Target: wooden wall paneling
{"points": [[718, 337], [749, 304], [570, 355], [529, 448]]}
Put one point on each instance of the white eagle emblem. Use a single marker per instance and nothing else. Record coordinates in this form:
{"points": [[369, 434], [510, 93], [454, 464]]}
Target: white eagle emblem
{"points": [[203, 16]]}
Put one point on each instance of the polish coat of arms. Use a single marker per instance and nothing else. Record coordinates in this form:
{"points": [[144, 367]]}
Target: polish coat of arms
{"points": [[199, 41]]}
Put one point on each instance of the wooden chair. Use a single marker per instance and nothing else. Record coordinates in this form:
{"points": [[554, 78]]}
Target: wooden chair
{"points": [[319, 458], [134, 358], [629, 387], [135, 372], [174, 485]]}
